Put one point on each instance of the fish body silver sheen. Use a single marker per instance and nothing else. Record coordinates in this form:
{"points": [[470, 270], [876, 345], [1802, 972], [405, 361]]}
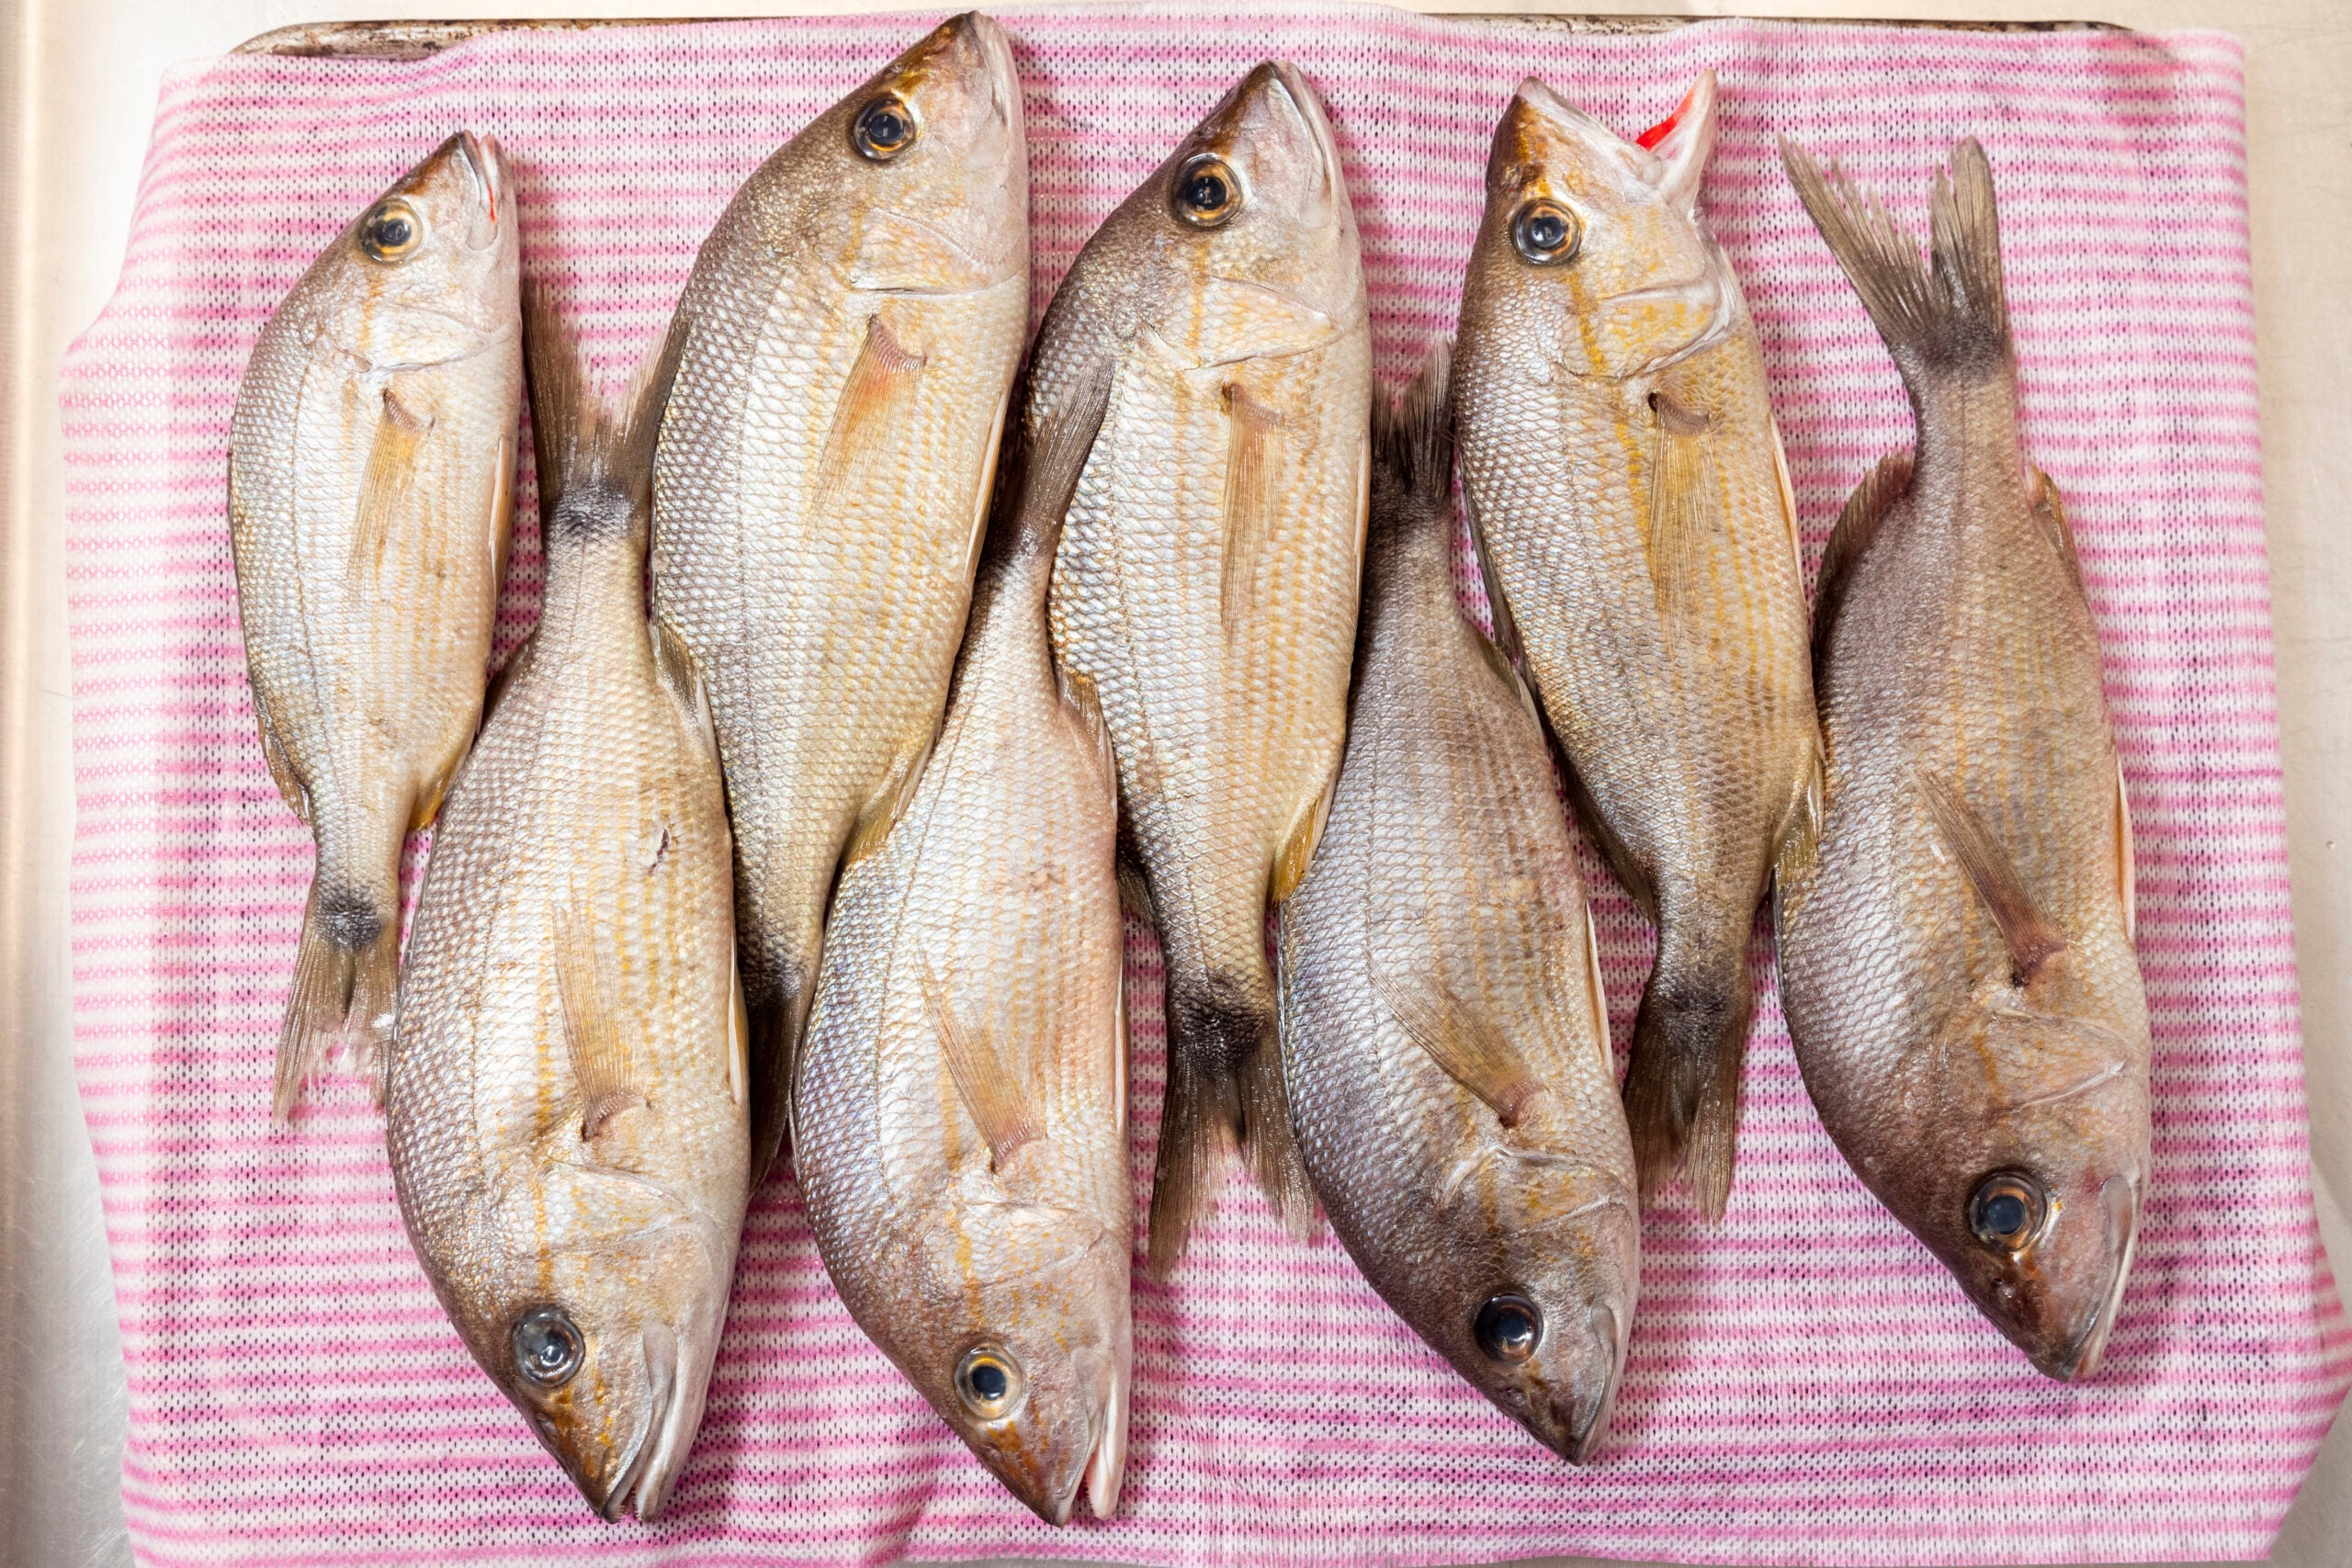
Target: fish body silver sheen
{"points": [[1957, 958], [1205, 590], [567, 1100], [370, 467], [1445, 1040], [850, 334]]}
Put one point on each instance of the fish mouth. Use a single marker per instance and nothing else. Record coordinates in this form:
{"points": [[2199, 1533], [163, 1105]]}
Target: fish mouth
{"points": [[1106, 1468], [1564, 118], [485, 165], [2119, 1200], [1591, 1418], [641, 1483]]}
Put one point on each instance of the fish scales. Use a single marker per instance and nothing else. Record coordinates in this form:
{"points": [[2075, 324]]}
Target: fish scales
{"points": [[961, 1118], [1620, 459], [1957, 957], [850, 334], [371, 457], [566, 1108], [1445, 1038], [1205, 588]]}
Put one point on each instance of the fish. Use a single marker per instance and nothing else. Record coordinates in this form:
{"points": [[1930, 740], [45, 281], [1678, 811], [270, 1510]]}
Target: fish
{"points": [[1204, 583], [371, 461], [1444, 1027], [852, 326], [568, 1096], [1957, 951], [1637, 532], [959, 1127]]}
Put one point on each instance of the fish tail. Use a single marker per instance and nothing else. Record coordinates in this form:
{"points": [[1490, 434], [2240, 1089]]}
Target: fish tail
{"points": [[594, 459], [1412, 445], [1682, 1083], [1225, 1093], [1945, 312], [346, 978]]}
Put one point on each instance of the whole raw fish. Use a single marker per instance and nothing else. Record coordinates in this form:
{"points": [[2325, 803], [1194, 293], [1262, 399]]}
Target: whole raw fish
{"points": [[1620, 459], [1444, 1035], [1956, 956], [1206, 589], [567, 1107], [851, 327], [960, 1126], [370, 469]]}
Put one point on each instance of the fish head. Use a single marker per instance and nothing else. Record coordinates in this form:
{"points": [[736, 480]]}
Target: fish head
{"points": [[1597, 240], [919, 180], [1249, 236], [602, 1324], [429, 272], [2033, 1200], [1537, 1299], [1026, 1348]]}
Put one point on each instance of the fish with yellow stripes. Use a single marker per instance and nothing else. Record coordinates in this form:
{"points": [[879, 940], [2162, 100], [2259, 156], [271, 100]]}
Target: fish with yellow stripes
{"points": [[850, 334], [1957, 955], [567, 1095], [371, 461], [1639, 540], [1212, 345]]}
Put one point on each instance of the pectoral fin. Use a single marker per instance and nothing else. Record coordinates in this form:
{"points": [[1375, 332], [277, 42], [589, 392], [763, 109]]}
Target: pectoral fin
{"points": [[386, 487], [1465, 1046], [600, 1059], [874, 400], [997, 1104], [1686, 502], [1597, 993], [1252, 428], [2031, 940]]}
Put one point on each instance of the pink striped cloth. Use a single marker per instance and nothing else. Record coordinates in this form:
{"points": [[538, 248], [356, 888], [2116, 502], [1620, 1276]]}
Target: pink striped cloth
{"points": [[1805, 1385]]}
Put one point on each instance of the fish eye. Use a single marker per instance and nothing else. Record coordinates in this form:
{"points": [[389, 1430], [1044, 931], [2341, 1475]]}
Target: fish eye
{"points": [[1546, 232], [884, 129], [548, 1347], [1207, 192], [392, 231], [989, 1382], [1508, 1327], [2007, 1210]]}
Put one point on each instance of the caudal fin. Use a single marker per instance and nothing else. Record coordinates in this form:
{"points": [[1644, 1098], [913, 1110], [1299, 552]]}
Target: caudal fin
{"points": [[1946, 312], [1682, 1082], [346, 980], [1225, 1095]]}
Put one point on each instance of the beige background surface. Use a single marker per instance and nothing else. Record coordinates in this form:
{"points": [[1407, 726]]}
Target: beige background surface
{"points": [[77, 90]]}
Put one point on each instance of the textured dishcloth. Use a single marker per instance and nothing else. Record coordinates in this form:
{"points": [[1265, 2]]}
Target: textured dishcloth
{"points": [[1805, 1384]]}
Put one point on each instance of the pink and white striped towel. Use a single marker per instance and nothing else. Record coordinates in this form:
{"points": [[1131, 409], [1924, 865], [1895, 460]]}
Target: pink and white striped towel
{"points": [[1805, 1385]]}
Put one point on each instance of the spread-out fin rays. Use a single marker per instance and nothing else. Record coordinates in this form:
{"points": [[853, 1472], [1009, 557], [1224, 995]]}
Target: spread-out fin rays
{"points": [[591, 1035], [1249, 508], [881, 384], [999, 1106], [2031, 940], [1464, 1045], [387, 485], [1685, 501]]}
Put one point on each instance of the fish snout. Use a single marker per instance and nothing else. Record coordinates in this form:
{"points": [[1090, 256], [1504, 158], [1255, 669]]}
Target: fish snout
{"points": [[1564, 1393], [2055, 1295], [2119, 1213]]}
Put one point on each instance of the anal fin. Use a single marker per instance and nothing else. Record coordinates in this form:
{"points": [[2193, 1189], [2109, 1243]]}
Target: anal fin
{"points": [[2031, 940], [983, 1082]]}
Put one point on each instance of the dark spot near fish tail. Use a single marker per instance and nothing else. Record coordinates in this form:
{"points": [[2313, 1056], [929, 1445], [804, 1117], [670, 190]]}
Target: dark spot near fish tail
{"points": [[348, 917]]}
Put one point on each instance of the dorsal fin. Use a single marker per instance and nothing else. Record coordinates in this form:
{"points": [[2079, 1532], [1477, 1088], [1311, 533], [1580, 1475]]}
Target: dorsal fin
{"points": [[999, 1109], [2049, 516], [1465, 1046], [1850, 540], [2031, 940], [1251, 425], [600, 1061]]}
